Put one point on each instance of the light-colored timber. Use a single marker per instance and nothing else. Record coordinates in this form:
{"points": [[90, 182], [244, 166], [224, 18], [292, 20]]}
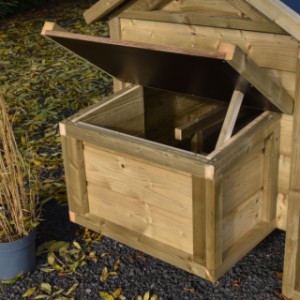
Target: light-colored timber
{"points": [[231, 117], [291, 277]]}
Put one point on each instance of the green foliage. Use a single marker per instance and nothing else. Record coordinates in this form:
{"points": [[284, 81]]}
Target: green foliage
{"points": [[11, 7]]}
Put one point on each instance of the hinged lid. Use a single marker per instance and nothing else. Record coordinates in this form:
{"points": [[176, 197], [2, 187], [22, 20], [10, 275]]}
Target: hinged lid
{"points": [[206, 74]]}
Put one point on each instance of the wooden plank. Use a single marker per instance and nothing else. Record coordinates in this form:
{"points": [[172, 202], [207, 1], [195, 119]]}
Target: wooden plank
{"points": [[250, 240], [270, 187], [244, 141], [203, 19], [142, 217], [291, 274], [243, 180], [267, 50], [265, 82], [101, 9], [191, 127], [213, 229], [241, 220], [230, 118], [166, 110], [199, 220], [108, 102], [72, 150], [142, 181], [139, 148], [281, 14], [249, 11], [157, 249]]}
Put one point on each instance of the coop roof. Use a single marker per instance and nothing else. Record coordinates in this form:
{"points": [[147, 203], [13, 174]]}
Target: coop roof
{"points": [[267, 15]]}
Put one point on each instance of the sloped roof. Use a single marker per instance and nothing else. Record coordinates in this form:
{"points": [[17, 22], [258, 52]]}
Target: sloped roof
{"points": [[275, 10]]}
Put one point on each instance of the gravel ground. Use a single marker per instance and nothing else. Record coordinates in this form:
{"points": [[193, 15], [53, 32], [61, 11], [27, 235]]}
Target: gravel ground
{"points": [[107, 266], [256, 276]]}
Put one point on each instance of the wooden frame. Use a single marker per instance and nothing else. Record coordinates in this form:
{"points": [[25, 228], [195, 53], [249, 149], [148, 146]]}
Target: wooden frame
{"points": [[205, 245]]}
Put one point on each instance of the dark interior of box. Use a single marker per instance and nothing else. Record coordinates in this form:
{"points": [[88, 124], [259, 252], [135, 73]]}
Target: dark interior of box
{"points": [[165, 111]]}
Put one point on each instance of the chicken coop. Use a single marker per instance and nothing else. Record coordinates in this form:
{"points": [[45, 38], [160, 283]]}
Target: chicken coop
{"points": [[195, 158]]}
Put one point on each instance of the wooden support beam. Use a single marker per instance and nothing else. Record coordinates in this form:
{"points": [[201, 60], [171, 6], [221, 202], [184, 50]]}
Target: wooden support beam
{"points": [[203, 20], [101, 9], [231, 117], [262, 79]]}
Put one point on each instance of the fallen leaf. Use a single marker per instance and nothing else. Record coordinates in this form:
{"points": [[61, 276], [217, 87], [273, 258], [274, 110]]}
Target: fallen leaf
{"points": [[29, 292]]}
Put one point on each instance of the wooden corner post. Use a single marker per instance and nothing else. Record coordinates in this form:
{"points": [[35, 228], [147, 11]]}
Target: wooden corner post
{"points": [[291, 274]]}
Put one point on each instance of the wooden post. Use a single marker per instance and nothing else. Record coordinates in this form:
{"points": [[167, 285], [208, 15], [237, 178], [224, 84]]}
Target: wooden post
{"points": [[291, 274], [213, 220], [115, 33]]}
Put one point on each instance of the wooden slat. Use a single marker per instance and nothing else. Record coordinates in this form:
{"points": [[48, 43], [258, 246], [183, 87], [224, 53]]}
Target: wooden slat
{"points": [[203, 19], [280, 14], [140, 148], [241, 220], [230, 118], [157, 249], [246, 139], [244, 245], [267, 84], [243, 180], [267, 50], [189, 128], [143, 217], [142, 181], [101, 9], [75, 174]]}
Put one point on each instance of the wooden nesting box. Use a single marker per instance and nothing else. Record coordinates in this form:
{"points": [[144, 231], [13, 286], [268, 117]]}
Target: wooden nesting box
{"points": [[171, 166], [269, 32]]}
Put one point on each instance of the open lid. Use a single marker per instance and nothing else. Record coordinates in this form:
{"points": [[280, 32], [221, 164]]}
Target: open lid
{"points": [[206, 74]]}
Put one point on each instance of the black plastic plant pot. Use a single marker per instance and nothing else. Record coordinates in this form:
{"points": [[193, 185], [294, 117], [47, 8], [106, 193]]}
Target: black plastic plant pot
{"points": [[17, 257]]}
